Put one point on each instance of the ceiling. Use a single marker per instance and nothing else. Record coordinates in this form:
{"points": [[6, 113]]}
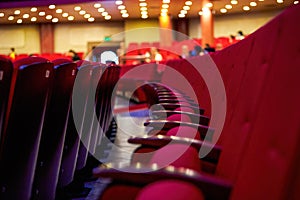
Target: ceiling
{"points": [[95, 11]]}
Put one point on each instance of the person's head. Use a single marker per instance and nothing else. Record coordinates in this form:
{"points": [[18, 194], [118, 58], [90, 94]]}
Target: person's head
{"points": [[12, 49], [240, 33]]}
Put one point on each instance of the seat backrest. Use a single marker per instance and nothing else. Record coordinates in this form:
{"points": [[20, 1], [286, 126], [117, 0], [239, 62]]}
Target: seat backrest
{"points": [[31, 81], [6, 70], [54, 130]]}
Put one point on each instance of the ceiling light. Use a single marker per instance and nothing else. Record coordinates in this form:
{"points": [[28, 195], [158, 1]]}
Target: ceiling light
{"points": [[17, 12], [165, 6], [261, 0], [228, 6], [33, 9], [59, 10], [253, 4], [19, 21], [296, 2], [42, 13], [77, 8], [188, 3], [97, 5], [223, 10], [107, 17], [119, 2], [65, 14], [164, 10], [166, 1], [121, 7], [82, 12], [180, 15], [163, 14], [1, 14], [101, 10], [51, 6], [186, 8], [91, 19], [144, 13], [246, 8], [125, 15], [55, 20], [144, 16], [143, 4], [71, 18], [104, 14], [143, 8], [123, 11], [183, 12], [142, 0], [209, 5], [25, 16], [279, 1], [33, 19], [234, 2], [49, 17], [200, 12], [87, 16], [10, 18]]}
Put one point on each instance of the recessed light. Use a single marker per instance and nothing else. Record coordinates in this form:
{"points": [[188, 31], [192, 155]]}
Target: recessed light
{"points": [[49, 17], [279, 1], [234, 2], [261, 0], [144, 13], [119, 2], [1, 14], [33, 9], [246, 8], [77, 8], [123, 11], [101, 10], [33, 19], [296, 2], [97, 5], [209, 5], [87, 16], [253, 4], [107, 17], [25, 16], [51, 6], [180, 15], [163, 14], [200, 12], [183, 12], [165, 6], [166, 1], [42, 13], [65, 14], [17, 12], [59, 10], [223, 10], [143, 4], [186, 8], [91, 19], [228, 6], [144, 16], [10, 18], [121, 7], [104, 14], [19, 21], [55, 20], [143, 8], [125, 15], [188, 3], [164, 10], [71, 18], [82, 12]]}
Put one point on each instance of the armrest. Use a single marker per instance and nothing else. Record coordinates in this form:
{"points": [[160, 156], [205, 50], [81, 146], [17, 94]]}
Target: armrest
{"points": [[196, 118], [211, 186], [173, 106], [165, 124], [162, 140]]}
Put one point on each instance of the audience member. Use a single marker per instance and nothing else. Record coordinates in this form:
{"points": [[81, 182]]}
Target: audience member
{"points": [[73, 55], [12, 53]]}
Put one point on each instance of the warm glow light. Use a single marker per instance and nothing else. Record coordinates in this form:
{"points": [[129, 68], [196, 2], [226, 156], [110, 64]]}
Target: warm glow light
{"points": [[183, 12], [123, 11], [59, 10], [119, 2], [164, 10], [33, 19], [143, 4], [33, 9], [165, 6], [223, 10], [19, 21], [65, 14], [279, 1], [163, 14], [82, 12], [124, 15], [188, 3], [71, 18], [144, 13], [107, 17], [87, 16], [26, 16], [234, 2], [200, 13], [246, 8], [253, 4], [91, 19], [49, 17], [101, 10], [228, 6], [51, 6], [166, 1], [10, 18], [1, 14], [121, 7], [186, 8], [144, 16], [180, 15], [55, 20], [209, 5], [17, 12], [97, 5], [42, 13], [296, 2], [104, 14], [143, 8], [77, 8]]}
